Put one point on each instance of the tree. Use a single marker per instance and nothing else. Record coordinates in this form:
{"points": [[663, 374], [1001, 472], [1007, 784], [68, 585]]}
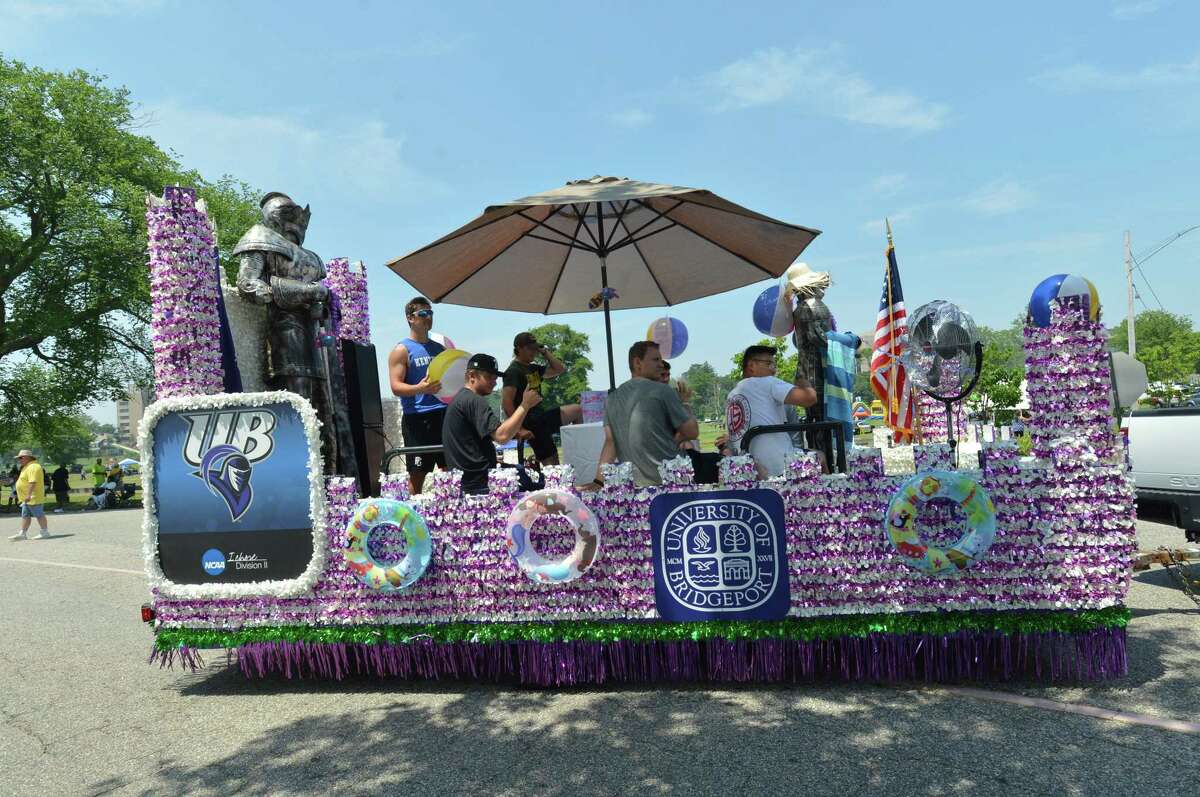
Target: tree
{"points": [[709, 389], [1166, 344], [999, 385], [68, 441], [1010, 342], [572, 348], [74, 292]]}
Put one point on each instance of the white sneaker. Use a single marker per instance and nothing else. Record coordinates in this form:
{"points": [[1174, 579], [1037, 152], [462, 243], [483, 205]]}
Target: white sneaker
{"points": [[45, 535], [19, 536], [58, 511]]}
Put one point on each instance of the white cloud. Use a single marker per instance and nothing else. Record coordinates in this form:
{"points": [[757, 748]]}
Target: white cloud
{"points": [[814, 79], [999, 197], [631, 117], [54, 10], [1088, 77], [1133, 9], [889, 184], [274, 151]]}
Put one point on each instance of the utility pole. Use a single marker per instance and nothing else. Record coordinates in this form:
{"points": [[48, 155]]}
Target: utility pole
{"points": [[1129, 293]]}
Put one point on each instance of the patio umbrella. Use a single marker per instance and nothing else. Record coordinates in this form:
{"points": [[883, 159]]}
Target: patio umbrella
{"points": [[654, 245]]}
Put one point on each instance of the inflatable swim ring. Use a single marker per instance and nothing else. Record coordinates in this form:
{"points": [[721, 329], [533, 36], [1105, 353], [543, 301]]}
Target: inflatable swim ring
{"points": [[583, 522], [372, 515], [901, 518]]}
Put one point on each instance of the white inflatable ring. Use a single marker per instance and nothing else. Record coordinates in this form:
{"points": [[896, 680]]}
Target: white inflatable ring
{"points": [[582, 520]]}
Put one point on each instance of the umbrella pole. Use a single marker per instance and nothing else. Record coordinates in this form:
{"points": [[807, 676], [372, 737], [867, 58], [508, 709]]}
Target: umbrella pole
{"points": [[612, 377]]}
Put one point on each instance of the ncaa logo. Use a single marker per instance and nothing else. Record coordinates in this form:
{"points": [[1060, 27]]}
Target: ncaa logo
{"points": [[720, 555], [213, 562]]}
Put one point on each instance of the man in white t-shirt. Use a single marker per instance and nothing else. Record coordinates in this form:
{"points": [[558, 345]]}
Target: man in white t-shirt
{"points": [[761, 399]]}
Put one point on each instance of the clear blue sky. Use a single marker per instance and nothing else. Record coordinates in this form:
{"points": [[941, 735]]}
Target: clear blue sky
{"points": [[1006, 144]]}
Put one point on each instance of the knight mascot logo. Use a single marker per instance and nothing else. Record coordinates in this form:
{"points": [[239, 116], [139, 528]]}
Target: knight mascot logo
{"points": [[224, 446]]}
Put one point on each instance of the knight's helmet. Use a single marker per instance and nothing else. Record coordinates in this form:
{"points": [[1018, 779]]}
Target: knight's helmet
{"points": [[279, 212]]}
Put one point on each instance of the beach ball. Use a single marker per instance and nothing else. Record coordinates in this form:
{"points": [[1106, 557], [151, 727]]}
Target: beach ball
{"points": [[438, 337], [1074, 291], [671, 336], [449, 368], [772, 315]]}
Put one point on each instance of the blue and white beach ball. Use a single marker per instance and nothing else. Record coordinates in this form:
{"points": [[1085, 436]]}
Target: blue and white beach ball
{"points": [[772, 315], [671, 336], [1075, 291]]}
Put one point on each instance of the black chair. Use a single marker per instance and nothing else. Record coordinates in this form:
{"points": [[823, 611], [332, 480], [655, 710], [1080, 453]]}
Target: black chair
{"points": [[392, 453], [837, 427]]}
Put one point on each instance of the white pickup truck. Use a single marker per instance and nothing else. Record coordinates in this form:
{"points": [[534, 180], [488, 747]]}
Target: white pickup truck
{"points": [[1164, 449]]}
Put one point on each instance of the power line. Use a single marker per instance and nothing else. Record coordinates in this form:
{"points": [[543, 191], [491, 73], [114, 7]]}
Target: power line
{"points": [[1147, 281], [1151, 252], [1138, 295], [1154, 250]]}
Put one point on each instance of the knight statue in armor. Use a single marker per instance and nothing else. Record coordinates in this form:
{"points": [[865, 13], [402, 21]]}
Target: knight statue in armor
{"points": [[277, 271]]}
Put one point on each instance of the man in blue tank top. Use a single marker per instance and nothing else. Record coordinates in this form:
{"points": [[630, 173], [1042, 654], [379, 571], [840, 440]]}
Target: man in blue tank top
{"points": [[423, 411]]}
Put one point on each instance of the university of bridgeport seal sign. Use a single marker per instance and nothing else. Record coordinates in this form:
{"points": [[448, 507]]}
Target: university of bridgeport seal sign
{"points": [[720, 555]]}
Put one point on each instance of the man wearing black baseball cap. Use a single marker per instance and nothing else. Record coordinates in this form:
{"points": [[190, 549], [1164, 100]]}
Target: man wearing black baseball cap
{"points": [[471, 426]]}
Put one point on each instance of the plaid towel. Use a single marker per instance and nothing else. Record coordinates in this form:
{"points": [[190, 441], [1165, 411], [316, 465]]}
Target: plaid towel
{"points": [[839, 379]]}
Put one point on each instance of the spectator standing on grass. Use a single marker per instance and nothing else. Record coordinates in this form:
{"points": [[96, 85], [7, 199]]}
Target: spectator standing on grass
{"points": [[99, 472], [13, 473], [31, 492], [60, 481], [1020, 422]]}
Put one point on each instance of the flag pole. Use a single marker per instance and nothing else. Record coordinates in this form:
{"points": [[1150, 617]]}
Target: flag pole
{"points": [[893, 404]]}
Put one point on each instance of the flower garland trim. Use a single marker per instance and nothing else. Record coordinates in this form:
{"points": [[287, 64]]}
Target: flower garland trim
{"points": [[288, 588], [812, 628]]}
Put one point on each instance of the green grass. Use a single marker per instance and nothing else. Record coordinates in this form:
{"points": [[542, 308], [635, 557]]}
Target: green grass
{"points": [[709, 432], [81, 491]]}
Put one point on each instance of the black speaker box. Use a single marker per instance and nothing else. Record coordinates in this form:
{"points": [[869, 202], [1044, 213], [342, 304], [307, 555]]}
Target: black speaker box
{"points": [[366, 413]]}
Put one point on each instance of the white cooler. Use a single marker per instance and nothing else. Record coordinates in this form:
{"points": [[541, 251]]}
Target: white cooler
{"points": [[581, 447]]}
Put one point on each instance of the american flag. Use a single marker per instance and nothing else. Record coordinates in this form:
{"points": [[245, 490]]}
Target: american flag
{"points": [[888, 379]]}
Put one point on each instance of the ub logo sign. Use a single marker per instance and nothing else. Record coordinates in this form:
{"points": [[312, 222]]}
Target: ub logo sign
{"points": [[231, 489], [224, 445], [720, 555]]}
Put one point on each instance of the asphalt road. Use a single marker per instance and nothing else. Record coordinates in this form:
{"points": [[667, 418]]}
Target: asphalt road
{"points": [[82, 713]]}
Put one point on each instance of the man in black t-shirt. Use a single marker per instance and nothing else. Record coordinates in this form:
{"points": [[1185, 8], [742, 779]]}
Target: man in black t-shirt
{"points": [[524, 373], [60, 480], [471, 426]]}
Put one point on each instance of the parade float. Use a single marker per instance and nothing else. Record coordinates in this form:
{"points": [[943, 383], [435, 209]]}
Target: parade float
{"points": [[256, 543]]}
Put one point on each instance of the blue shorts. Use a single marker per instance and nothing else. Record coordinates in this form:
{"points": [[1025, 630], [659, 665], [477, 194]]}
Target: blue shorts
{"points": [[32, 510]]}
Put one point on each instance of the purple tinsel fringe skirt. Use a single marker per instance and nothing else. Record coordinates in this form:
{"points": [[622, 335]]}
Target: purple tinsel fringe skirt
{"points": [[963, 656]]}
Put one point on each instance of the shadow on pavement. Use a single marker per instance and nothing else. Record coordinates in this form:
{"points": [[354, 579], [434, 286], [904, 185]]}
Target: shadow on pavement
{"points": [[448, 737]]}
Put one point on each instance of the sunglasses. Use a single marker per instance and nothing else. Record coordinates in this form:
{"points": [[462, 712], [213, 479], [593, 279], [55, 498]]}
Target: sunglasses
{"points": [[424, 314]]}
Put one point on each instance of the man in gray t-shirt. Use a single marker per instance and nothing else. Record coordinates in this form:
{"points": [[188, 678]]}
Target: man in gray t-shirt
{"points": [[644, 419]]}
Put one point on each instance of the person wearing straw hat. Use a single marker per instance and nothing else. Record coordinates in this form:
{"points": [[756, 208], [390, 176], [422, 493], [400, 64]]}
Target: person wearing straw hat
{"points": [[31, 492]]}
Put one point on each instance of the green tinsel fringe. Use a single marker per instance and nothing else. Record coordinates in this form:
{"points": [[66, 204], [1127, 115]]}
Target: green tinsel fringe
{"points": [[801, 628]]}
